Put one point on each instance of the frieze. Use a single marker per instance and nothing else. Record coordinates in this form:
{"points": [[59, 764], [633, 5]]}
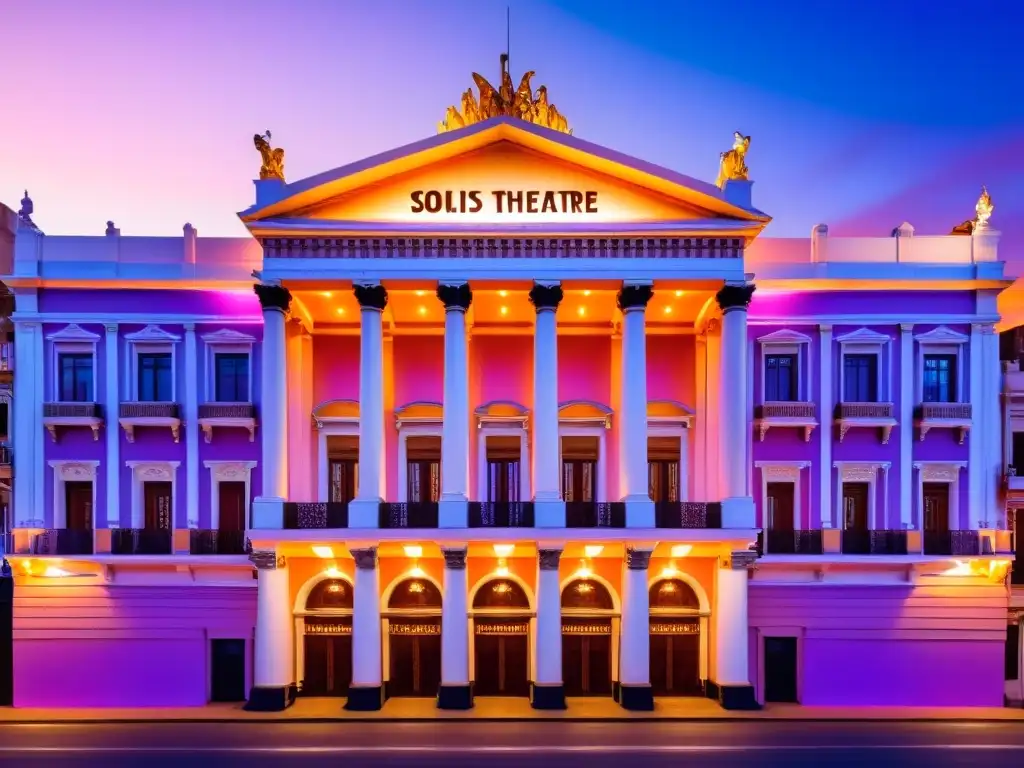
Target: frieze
{"points": [[734, 296], [637, 559], [455, 558], [546, 296], [548, 559], [675, 628], [502, 628], [634, 296], [273, 296], [314, 627], [267, 559], [505, 248], [587, 628], [371, 296], [455, 296], [401, 628], [366, 558]]}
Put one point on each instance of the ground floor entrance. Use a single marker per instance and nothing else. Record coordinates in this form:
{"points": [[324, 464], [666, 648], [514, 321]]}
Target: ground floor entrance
{"points": [[502, 651], [587, 657], [327, 657], [415, 656], [675, 657], [780, 669]]}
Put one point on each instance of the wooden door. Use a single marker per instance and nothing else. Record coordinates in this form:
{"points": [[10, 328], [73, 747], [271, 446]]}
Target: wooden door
{"points": [[936, 507], [157, 499], [232, 505], [78, 505], [502, 658], [675, 663], [503, 480], [780, 507], [855, 506], [343, 479], [415, 651]]}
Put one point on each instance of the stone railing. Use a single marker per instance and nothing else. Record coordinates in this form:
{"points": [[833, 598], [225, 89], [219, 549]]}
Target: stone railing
{"points": [[148, 411], [808, 542], [141, 541], [227, 411], [952, 543], [952, 411], [864, 411], [71, 410], [63, 541], [855, 542], [786, 410]]}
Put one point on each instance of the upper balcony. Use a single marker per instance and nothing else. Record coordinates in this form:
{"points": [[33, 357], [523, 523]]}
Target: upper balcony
{"points": [[72, 415], [792, 414], [137, 414], [955, 416], [866, 415], [227, 415]]}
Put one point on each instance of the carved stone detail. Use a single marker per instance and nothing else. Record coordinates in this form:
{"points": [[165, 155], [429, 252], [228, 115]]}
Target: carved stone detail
{"points": [[548, 559], [267, 560], [455, 296], [366, 558], [637, 559], [455, 558], [546, 296], [742, 560], [634, 296], [734, 297], [371, 296], [273, 296]]}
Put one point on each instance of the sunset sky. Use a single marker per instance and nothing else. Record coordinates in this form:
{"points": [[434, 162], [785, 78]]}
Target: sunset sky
{"points": [[863, 113]]}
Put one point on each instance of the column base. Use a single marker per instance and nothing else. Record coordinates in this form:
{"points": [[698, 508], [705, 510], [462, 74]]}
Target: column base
{"points": [[455, 697], [267, 698], [365, 698], [453, 513], [637, 698], [364, 513], [548, 514], [737, 697], [543, 696], [639, 512]]}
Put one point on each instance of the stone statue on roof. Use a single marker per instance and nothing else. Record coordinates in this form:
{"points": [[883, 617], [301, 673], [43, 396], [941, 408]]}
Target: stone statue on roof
{"points": [[733, 164], [273, 159], [982, 213]]}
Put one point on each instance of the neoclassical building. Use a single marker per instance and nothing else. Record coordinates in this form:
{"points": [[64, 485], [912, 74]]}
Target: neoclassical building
{"points": [[507, 413]]}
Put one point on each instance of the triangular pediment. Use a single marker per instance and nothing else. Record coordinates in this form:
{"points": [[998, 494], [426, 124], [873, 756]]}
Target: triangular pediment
{"points": [[496, 174]]}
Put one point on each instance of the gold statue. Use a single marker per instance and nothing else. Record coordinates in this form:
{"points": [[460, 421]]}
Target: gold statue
{"points": [[506, 100], [733, 164], [982, 213], [273, 159]]}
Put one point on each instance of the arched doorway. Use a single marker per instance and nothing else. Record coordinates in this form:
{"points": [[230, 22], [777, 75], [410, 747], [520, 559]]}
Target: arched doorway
{"points": [[587, 613], [414, 638], [675, 639], [327, 641], [501, 639]]}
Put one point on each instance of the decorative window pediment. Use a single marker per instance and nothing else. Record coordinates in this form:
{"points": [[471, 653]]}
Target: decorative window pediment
{"points": [[418, 413], [784, 336], [941, 335], [864, 336], [585, 411], [500, 412], [228, 336], [334, 411], [153, 334], [668, 412], [74, 333]]}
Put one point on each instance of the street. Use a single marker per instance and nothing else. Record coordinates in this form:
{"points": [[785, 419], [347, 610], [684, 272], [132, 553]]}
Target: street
{"points": [[596, 744]]}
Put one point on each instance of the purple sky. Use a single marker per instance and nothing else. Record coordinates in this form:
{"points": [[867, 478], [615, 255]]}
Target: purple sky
{"points": [[862, 116]]}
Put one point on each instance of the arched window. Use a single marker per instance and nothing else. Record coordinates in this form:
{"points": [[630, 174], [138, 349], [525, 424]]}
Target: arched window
{"points": [[330, 594], [674, 593], [501, 593], [587, 594], [415, 593]]}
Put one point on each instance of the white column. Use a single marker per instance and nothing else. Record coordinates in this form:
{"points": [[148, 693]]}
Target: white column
{"points": [[700, 422], [975, 446], [906, 427], [633, 422], [548, 691], [993, 469], [455, 419], [191, 427], [737, 506], [635, 646], [455, 689], [113, 436], [273, 681], [825, 407], [275, 301], [545, 299], [28, 430], [363, 511], [366, 691], [713, 411], [731, 637]]}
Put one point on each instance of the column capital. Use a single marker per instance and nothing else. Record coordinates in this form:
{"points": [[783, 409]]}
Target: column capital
{"points": [[267, 560], [454, 558], [548, 559], [273, 297], [365, 557], [111, 327], [544, 296], [740, 560], [825, 329], [634, 297], [906, 327], [734, 296], [371, 296], [455, 297], [637, 559]]}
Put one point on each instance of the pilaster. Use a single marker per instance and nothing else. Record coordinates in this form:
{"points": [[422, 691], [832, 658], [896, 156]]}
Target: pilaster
{"points": [[274, 686], [366, 692], [825, 408], [455, 691], [731, 686], [113, 439], [191, 427], [548, 691], [632, 302], [372, 298]]}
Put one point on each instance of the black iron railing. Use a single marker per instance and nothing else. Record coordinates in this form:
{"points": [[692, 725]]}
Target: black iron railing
{"points": [[952, 543], [792, 542], [592, 514], [324, 514], [412, 514], [857, 542], [227, 411], [137, 410], [501, 514], [210, 542], [71, 410], [62, 541], [687, 514], [141, 541]]}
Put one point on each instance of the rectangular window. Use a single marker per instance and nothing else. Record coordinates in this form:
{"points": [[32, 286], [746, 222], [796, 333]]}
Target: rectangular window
{"points": [[780, 376], [155, 377], [860, 378], [75, 371], [232, 378], [939, 379]]}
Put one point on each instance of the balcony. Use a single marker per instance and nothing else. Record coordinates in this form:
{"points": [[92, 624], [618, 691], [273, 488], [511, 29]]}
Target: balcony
{"points": [[855, 542], [209, 542], [6, 361], [687, 514], [501, 514], [786, 414], [226, 416], [956, 416], [315, 515], [865, 415], [6, 461], [413, 514], [62, 541], [591, 514], [132, 415], [792, 542], [141, 541], [71, 415], [966, 543]]}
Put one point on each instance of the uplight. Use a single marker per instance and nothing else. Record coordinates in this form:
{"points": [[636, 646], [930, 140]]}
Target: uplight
{"points": [[581, 311], [340, 310], [325, 553], [417, 572], [678, 294], [668, 310], [593, 550], [326, 294], [423, 310], [53, 572], [333, 572], [586, 293], [681, 550], [413, 550], [503, 294], [421, 293], [504, 310], [504, 550]]}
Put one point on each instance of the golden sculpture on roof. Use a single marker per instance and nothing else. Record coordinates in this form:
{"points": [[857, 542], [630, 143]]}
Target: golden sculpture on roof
{"points": [[506, 100], [273, 159], [982, 213], [733, 164]]}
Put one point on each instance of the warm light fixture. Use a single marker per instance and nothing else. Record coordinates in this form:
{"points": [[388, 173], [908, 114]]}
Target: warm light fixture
{"points": [[668, 310], [581, 311], [681, 550], [668, 571], [417, 572], [325, 553], [413, 550], [421, 293], [503, 294], [327, 294], [593, 550], [340, 310], [504, 310], [586, 293], [53, 572], [678, 294], [504, 550], [423, 310], [333, 572], [502, 569], [583, 572]]}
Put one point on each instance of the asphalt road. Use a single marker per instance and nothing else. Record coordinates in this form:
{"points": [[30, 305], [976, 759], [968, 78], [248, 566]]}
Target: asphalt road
{"points": [[507, 745]]}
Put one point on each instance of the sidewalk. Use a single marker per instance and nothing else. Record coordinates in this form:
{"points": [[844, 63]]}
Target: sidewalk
{"points": [[495, 709]]}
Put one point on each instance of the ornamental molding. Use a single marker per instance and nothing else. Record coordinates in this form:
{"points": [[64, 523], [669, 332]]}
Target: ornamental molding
{"points": [[365, 558], [455, 297], [863, 336], [860, 472], [546, 296], [939, 471], [153, 470], [548, 559], [70, 471], [634, 297], [782, 472], [742, 560], [734, 297], [369, 296], [942, 335], [226, 471], [784, 336], [73, 333], [152, 333], [273, 297], [227, 336], [637, 559], [454, 558]]}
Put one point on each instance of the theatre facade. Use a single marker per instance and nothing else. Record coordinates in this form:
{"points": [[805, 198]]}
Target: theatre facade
{"points": [[504, 415]]}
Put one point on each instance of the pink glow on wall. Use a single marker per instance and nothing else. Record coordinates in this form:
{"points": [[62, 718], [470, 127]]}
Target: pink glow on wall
{"points": [[335, 368], [419, 369], [583, 368], [671, 369]]}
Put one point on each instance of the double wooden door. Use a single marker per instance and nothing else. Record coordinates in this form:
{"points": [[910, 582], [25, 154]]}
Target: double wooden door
{"points": [[675, 658], [327, 665], [78, 505], [587, 658], [415, 651], [158, 505], [502, 650]]}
